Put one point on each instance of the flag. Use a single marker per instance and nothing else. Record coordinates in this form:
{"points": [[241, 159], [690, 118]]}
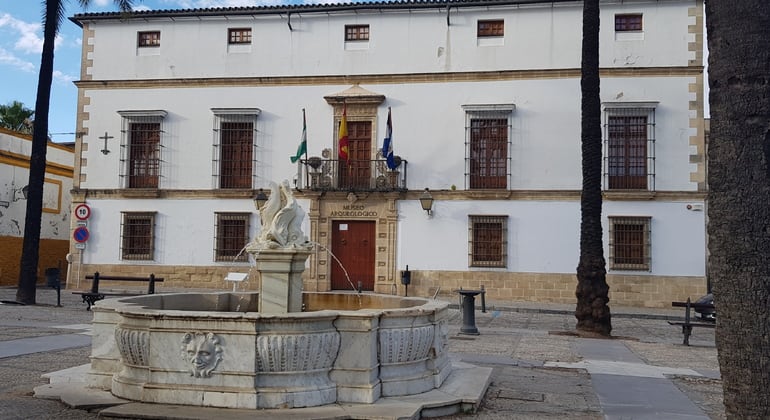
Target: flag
{"points": [[343, 136], [387, 144], [302, 149]]}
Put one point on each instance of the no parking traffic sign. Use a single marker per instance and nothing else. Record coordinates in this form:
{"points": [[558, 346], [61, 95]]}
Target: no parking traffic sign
{"points": [[80, 234]]}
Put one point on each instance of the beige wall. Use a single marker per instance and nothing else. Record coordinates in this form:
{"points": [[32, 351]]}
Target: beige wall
{"points": [[625, 290]]}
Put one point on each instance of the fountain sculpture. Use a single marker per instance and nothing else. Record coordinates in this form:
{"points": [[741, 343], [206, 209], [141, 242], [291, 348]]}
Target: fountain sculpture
{"points": [[279, 348]]}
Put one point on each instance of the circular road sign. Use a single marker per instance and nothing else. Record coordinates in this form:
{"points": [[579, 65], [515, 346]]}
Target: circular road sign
{"points": [[81, 234], [82, 211]]}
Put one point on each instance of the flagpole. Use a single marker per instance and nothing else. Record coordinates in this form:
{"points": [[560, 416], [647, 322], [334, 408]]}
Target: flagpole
{"points": [[304, 128]]}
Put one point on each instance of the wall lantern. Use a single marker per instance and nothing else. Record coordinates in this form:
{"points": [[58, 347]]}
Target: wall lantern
{"points": [[260, 199], [426, 201], [25, 191]]}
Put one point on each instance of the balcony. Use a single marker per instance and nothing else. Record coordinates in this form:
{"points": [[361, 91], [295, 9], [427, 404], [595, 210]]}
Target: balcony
{"points": [[319, 174]]}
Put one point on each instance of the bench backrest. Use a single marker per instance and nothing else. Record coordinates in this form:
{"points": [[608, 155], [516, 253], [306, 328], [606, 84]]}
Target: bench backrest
{"points": [[151, 279]]}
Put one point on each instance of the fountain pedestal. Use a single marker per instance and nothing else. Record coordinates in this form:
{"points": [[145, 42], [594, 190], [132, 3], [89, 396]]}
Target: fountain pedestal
{"points": [[281, 272]]}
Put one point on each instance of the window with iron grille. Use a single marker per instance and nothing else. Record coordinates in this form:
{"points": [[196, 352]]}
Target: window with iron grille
{"points": [[487, 146], [629, 147], [629, 243], [631, 22], [137, 236], [356, 32], [239, 36], [148, 39], [235, 147], [490, 28], [487, 241], [141, 147], [232, 234]]}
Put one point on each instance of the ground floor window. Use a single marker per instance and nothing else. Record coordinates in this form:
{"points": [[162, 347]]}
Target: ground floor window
{"points": [[487, 241], [232, 234], [137, 236], [629, 243]]}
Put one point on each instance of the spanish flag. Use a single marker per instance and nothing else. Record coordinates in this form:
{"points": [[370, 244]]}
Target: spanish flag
{"points": [[343, 136]]}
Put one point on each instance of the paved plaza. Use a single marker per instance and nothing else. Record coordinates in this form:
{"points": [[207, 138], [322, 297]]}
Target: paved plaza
{"points": [[540, 368]]}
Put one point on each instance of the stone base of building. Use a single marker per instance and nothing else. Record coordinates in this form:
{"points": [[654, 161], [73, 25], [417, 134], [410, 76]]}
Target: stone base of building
{"points": [[625, 289]]}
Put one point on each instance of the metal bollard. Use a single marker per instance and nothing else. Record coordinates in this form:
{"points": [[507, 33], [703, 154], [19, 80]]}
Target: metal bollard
{"points": [[52, 280], [483, 299]]}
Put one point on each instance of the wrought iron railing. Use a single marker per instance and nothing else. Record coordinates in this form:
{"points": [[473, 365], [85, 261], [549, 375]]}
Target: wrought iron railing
{"points": [[320, 174]]}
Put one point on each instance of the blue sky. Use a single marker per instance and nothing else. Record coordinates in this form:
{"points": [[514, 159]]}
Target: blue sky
{"points": [[21, 41]]}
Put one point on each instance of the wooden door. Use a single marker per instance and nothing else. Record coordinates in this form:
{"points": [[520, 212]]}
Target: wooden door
{"points": [[356, 174], [353, 245]]}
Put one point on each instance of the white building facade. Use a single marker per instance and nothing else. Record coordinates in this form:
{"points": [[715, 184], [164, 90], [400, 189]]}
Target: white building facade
{"points": [[187, 114]]}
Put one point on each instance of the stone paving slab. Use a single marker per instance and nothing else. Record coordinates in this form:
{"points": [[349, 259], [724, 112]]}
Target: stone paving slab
{"points": [[42, 344]]}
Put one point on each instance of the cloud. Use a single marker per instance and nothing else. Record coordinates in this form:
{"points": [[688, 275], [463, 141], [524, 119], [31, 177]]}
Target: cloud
{"points": [[28, 41], [62, 78], [9, 58]]}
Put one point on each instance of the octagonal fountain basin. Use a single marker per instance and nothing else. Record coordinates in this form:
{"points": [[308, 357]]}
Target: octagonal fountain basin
{"points": [[216, 349]]}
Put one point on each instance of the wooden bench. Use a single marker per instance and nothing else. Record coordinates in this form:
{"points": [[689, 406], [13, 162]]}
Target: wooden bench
{"points": [[688, 325], [95, 294]]}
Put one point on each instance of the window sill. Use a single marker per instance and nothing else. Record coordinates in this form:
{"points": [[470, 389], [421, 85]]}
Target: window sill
{"points": [[356, 45], [628, 195], [492, 41], [629, 36]]}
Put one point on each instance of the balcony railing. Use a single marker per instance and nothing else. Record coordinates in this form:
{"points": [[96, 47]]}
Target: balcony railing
{"points": [[355, 175]]}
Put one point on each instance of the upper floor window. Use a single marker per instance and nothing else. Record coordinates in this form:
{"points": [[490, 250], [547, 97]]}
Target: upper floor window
{"points": [[630, 22], [487, 146], [629, 146], [356, 33], [490, 28], [629, 243], [235, 147], [232, 235], [148, 39], [137, 236], [141, 147], [239, 36], [487, 241]]}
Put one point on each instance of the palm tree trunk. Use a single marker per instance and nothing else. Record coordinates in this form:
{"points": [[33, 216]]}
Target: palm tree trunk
{"points": [[30, 247], [739, 200], [592, 292]]}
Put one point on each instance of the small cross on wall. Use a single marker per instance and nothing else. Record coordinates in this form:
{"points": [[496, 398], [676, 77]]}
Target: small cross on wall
{"points": [[105, 137]]}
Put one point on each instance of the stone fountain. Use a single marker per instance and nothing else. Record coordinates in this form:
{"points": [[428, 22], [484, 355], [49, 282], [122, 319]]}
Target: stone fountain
{"points": [[279, 348]]}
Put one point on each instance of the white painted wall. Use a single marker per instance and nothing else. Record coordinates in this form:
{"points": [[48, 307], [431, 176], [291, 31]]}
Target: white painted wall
{"points": [[185, 229], [428, 124], [544, 236], [539, 36]]}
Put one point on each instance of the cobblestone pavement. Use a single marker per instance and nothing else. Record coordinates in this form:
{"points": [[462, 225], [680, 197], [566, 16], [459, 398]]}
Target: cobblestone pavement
{"points": [[516, 339]]}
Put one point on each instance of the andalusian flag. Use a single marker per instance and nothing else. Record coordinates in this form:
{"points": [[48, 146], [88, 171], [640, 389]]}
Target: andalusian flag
{"points": [[387, 145], [343, 136], [302, 149]]}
